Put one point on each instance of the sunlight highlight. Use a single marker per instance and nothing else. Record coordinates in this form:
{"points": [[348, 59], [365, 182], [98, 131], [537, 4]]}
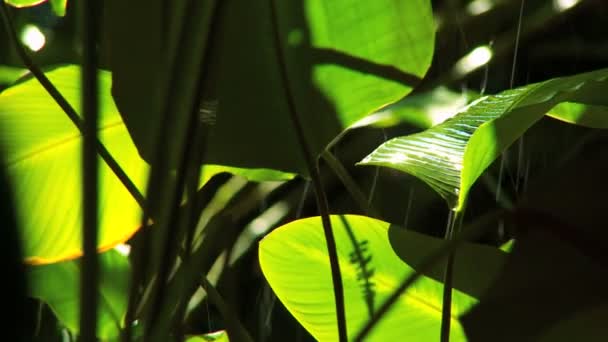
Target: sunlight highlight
{"points": [[32, 37], [479, 57], [562, 5], [477, 7]]}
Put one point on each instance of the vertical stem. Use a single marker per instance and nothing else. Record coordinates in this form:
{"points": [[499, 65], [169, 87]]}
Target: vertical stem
{"points": [[313, 169], [89, 272], [454, 223]]}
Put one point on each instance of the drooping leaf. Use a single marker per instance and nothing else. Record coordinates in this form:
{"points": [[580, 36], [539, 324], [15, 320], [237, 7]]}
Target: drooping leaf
{"points": [[580, 114], [294, 261], [339, 70], [58, 285], [451, 156], [476, 265]]}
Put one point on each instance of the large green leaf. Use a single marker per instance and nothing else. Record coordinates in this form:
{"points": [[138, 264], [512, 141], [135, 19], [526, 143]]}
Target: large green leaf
{"points": [[451, 156], [345, 59], [58, 6], [294, 261], [43, 153], [44, 160], [58, 285], [24, 3]]}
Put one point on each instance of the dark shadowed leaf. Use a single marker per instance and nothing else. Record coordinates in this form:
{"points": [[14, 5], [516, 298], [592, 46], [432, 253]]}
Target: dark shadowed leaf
{"points": [[339, 70], [545, 281]]}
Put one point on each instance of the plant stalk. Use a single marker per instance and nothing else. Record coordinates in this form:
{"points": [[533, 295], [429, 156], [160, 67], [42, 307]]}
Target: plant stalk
{"points": [[313, 169], [89, 280]]}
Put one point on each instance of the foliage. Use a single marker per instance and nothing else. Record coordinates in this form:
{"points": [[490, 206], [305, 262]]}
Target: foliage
{"points": [[216, 118]]}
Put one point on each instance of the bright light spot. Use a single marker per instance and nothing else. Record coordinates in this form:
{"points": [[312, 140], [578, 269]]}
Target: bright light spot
{"points": [[480, 56], [123, 249], [562, 5], [398, 158], [32, 37], [477, 7]]}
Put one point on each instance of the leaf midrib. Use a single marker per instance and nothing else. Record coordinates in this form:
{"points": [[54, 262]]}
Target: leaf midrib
{"points": [[64, 141]]}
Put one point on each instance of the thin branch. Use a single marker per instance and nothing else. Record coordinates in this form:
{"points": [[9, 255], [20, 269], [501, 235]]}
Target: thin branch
{"points": [[67, 108], [315, 176]]}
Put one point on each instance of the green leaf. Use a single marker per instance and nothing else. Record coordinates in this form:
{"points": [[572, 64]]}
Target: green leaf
{"points": [[476, 265], [59, 6], [24, 3], [429, 109], [43, 151], [58, 285], [451, 156], [294, 261], [44, 161], [580, 114], [10, 74], [339, 68]]}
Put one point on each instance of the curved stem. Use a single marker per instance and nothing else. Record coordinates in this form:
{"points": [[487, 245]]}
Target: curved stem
{"points": [[313, 169], [349, 183]]}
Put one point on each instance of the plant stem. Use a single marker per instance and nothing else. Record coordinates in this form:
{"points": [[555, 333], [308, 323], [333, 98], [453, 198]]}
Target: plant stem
{"points": [[67, 108], [454, 223], [469, 233], [90, 107], [315, 176], [349, 183]]}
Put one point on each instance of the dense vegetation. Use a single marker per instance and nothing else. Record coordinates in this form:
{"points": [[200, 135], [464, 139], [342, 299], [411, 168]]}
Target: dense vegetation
{"points": [[304, 170]]}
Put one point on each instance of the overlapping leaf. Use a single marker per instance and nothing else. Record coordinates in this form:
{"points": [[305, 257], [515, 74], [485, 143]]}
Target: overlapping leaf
{"points": [[451, 156], [43, 153], [294, 261], [345, 59], [43, 149], [58, 285]]}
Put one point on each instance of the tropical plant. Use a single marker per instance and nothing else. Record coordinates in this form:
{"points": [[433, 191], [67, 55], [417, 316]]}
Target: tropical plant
{"points": [[160, 176]]}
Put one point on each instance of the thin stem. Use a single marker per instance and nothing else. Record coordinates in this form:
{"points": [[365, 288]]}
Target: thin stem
{"points": [[454, 222], [238, 331], [315, 176], [470, 232], [349, 183], [90, 106], [67, 108]]}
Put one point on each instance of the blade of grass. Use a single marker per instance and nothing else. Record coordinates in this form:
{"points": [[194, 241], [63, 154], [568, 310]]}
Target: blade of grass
{"points": [[314, 175]]}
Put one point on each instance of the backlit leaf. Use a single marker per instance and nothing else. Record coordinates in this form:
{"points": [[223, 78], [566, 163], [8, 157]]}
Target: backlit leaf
{"points": [[451, 156]]}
